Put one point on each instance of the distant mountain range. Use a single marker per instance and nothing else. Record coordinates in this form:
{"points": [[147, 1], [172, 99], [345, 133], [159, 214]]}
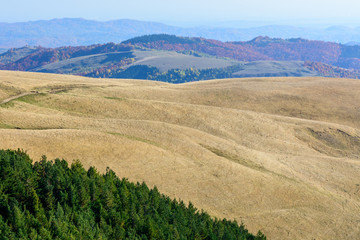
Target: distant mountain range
{"points": [[76, 32], [181, 59]]}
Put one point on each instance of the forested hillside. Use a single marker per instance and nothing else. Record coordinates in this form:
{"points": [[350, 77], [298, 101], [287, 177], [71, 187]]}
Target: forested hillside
{"points": [[50, 200], [171, 76], [42, 56], [176, 59], [260, 48]]}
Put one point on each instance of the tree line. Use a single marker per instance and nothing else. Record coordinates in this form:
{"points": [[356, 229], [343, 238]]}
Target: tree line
{"points": [[171, 76]]}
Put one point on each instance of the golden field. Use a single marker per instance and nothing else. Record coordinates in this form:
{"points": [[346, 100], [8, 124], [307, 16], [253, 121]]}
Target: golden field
{"points": [[281, 155]]}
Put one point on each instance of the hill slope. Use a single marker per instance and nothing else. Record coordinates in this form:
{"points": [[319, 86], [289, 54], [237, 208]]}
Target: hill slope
{"points": [[179, 59], [259, 49], [279, 154]]}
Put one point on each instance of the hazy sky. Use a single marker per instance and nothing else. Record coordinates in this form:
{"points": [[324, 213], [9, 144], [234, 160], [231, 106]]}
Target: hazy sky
{"points": [[185, 11]]}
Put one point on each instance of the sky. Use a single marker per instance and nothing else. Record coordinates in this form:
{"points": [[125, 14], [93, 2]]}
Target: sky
{"points": [[190, 12]]}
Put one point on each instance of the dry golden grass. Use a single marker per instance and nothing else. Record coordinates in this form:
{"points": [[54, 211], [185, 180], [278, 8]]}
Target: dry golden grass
{"points": [[279, 154]]}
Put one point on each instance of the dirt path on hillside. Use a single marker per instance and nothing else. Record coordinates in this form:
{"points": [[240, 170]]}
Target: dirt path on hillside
{"points": [[32, 93], [17, 96]]}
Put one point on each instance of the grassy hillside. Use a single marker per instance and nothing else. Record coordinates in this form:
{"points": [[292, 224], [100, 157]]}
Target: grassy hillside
{"points": [[278, 154], [162, 60], [165, 60], [82, 64], [274, 69]]}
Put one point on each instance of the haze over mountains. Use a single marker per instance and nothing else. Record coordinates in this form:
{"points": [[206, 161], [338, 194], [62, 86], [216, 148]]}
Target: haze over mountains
{"points": [[78, 31], [176, 59]]}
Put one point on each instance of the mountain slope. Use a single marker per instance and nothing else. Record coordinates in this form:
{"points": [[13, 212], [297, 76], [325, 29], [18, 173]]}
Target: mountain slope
{"points": [[178, 59], [76, 31], [162, 60], [259, 49], [279, 154], [14, 54]]}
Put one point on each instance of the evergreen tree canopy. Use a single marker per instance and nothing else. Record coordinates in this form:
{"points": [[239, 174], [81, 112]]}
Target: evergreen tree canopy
{"points": [[51, 200]]}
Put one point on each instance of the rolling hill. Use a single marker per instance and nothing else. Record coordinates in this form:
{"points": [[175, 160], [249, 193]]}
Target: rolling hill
{"points": [[162, 60], [278, 154], [178, 59], [258, 49]]}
